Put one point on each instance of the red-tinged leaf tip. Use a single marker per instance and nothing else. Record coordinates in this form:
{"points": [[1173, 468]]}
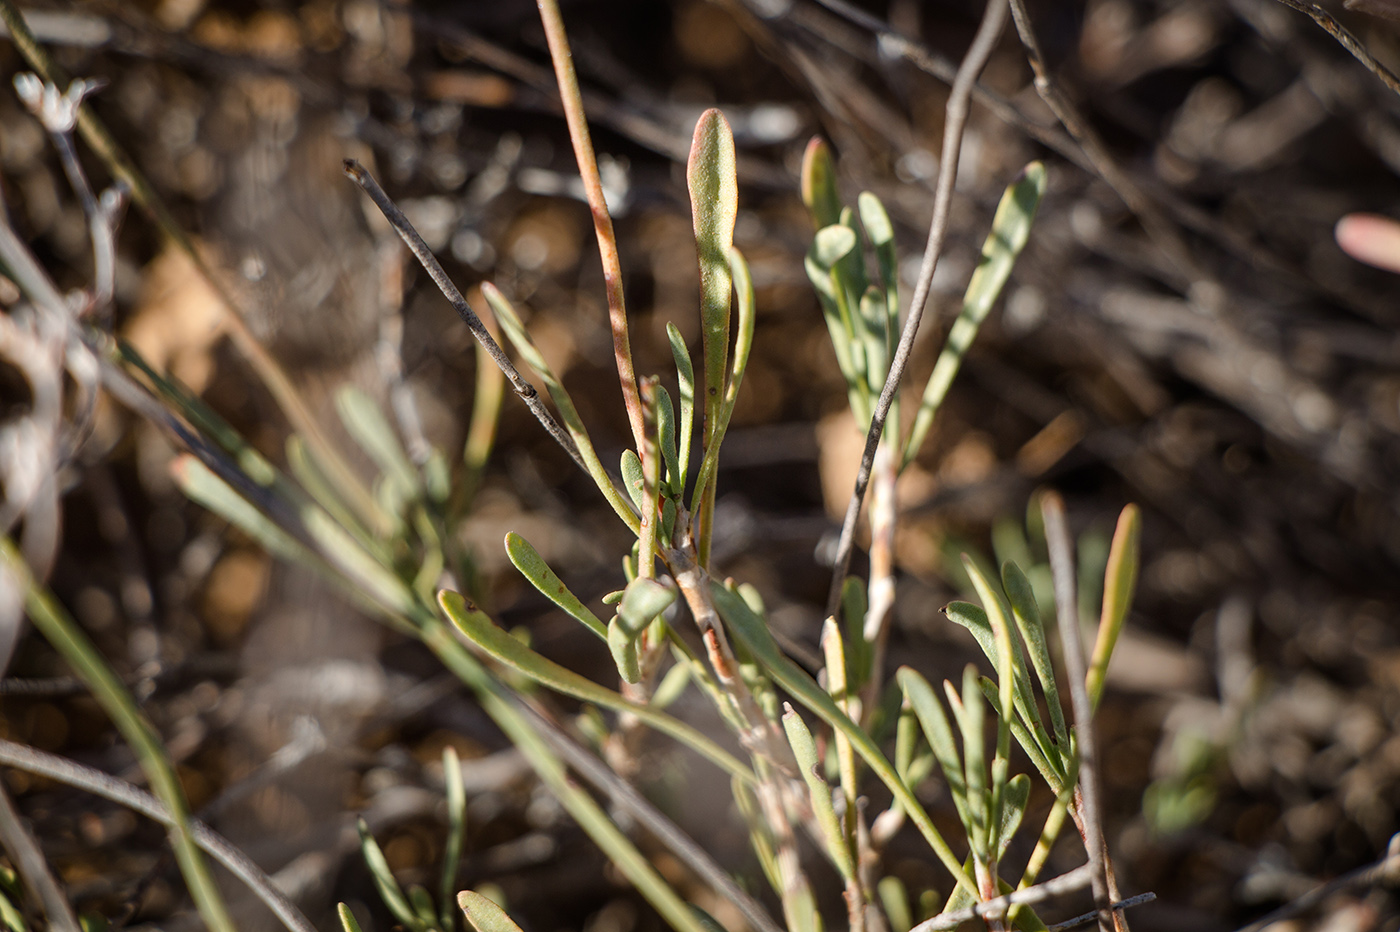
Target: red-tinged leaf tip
{"points": [[1370, 238]]}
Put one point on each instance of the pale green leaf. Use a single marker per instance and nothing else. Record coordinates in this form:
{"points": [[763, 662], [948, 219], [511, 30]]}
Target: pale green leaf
{"points": [[1010, 230], [484, 915], [1120, 583], [804, 748], [532, 566]]}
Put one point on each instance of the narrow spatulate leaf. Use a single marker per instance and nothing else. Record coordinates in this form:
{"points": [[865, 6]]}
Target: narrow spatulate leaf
{"points": [[484, 915], [1010, 230], [1120, 582], [1028, 621], [347, 918], [714, 203], [532, 566], [805, 750], [389, 890], [939, 734], [456, 834], [365, 422], [819, 183]]}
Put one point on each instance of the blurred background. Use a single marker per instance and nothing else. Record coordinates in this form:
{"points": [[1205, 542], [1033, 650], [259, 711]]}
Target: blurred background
{"points": [[1223, 364]]}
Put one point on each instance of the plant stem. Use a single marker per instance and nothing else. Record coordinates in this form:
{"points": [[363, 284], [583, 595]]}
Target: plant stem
{"points": [[572, 100]]}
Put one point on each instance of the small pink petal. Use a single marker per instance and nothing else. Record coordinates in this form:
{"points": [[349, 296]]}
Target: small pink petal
{"points": [[1370, 238]]}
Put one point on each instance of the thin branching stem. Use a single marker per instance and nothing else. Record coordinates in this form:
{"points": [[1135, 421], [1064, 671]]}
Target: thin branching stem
{"points": [[358, 174], [1157, 226], [977, 54], [572, 100], [1348, 41], [1084, 918], [29, 861], [1057, 541], [98, 783]]}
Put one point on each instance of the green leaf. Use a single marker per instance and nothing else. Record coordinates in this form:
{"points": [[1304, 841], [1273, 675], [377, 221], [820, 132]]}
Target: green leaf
{"points": [[929, 712], [881, 234], [977, 621], [819, 183], [750, 631], [672, 685], [1010, 230], [484, 915], [504, 649], [743, 345], [314, 481], [805, 750], [832, 244], [714, 203], [1018, 793], [642, 603], [1120, 582], [975, 765], [858, 649], [961, 898], [456, 796], [666, 434], [895, 900], [685, 379], [632, 477], [1028, 622], [202, 486], [367, 425], [520, 338], [532, 566], [422, 902], [347, 918], [389, 890]]}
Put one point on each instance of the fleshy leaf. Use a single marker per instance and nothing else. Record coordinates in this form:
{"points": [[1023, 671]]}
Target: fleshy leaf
{"points": [[532, 566], [1010, 230], [1120, 582], [804, 748], [484, 915], [819, 183]]}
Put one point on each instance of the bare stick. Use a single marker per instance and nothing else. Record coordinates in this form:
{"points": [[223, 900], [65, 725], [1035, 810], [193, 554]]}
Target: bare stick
{"points": [[119, 791], [1057, 541], [626, 798], [1348, 41], [1156, 225], [977, 54], [1076, 879], [572, 100], [1384, 870], [1080, 920], [425, 257]]}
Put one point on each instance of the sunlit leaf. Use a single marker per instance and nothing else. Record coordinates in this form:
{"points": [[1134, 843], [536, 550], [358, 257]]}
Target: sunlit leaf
{"points": [[1120, 582]]}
